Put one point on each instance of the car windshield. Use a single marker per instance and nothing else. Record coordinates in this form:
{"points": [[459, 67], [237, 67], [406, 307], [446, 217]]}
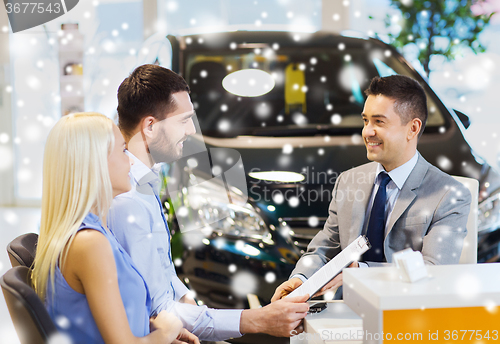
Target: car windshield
{"points": [[315, 91]]}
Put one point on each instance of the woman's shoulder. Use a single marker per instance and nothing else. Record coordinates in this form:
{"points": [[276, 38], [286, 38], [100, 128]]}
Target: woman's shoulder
{"points": [[89, 241]]}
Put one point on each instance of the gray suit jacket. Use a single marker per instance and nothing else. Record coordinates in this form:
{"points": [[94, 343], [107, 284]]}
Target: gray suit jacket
{"points": [[430, 215]]}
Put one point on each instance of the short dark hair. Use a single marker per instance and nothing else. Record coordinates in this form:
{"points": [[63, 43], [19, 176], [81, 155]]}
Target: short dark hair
{"points": [[409, 97], [147, 92]]}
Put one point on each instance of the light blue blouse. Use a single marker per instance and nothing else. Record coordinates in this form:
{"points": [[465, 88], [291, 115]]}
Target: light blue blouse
{"points": [[70, 310]]}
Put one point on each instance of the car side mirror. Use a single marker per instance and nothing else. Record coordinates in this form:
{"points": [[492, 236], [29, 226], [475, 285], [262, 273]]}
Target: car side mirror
{"points": [[463, 118]]}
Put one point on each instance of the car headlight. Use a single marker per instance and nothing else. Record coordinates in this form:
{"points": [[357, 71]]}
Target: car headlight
{"points": [[489, 214], [212, 207]]}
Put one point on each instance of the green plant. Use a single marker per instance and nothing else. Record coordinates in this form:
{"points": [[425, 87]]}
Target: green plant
{"points": [[438, 27]]}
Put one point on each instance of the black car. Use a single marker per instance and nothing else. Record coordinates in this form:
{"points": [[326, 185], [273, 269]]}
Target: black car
{"points": [[293, 138]]}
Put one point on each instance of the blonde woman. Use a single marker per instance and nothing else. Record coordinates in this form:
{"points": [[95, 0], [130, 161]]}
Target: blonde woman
{"points": [[90, 285]]}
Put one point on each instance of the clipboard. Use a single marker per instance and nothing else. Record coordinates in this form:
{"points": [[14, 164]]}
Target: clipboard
{"points": [[331, 269]]}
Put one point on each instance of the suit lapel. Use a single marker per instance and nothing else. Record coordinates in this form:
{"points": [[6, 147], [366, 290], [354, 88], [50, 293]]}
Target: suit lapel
{"points": [[363, 189], [408, 194]]}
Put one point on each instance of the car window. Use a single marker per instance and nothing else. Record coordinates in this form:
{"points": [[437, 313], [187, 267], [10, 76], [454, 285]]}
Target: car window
{"points": [[315, 88]]}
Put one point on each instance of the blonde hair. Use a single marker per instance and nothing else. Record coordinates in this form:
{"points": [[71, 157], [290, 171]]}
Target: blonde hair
{"points": [[75, 181]]}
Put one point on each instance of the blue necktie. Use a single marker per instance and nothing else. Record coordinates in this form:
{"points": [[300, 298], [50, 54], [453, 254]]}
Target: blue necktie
{"points": [[376, 224]]}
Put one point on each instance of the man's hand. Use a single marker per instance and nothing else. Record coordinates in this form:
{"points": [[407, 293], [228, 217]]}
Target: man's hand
{"points": [[334, 283], [279, 319], [167, 323], [186, 337], [188, 299], [286, 288]]}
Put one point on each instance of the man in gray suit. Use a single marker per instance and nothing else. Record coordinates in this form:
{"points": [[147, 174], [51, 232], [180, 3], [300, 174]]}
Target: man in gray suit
{"points": [[399, 200]]}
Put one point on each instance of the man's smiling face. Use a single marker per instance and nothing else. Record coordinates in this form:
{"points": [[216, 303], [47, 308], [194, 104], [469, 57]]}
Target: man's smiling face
{"points": [[171, 132], [385, 137]]}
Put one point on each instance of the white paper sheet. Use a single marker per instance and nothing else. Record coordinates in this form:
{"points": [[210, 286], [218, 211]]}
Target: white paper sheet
{"points": [[331, 269]]}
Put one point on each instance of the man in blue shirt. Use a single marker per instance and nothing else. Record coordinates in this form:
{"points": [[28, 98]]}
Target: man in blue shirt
{"points": [[154, 115]]}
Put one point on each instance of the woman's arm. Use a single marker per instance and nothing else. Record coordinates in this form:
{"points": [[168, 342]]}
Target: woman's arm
{"points": [[90, 269]]}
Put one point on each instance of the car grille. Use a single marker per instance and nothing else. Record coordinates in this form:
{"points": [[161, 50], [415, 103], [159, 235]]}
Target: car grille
{"points": [[301, 232]]}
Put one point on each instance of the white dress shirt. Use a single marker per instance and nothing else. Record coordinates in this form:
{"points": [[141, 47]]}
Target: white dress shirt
{"points": [[136, 219]]}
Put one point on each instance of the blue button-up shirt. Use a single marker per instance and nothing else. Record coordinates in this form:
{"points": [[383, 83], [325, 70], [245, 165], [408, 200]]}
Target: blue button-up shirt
{"points": [[136, 219]]}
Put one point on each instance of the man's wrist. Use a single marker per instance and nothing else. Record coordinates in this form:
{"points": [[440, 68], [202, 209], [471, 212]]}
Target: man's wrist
{"points": [[251, 321], [299, 276]]}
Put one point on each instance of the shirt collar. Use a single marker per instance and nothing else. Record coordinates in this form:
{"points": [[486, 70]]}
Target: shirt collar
{"points": [[141, 173], [401, 173]]}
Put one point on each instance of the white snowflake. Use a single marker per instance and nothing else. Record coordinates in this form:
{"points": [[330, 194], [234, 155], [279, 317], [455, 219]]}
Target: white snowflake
{"points": [[491, 306], [270, 277], [287, 148], [191, 294], [328, 295], [172, 6], [306, 261], [336, 119], [182, 211], [59, 338], [224, 125], [299, 118], [467, 286], [192, 162], [356, 139], [239, 245], [444, 163], [24, 175], [278, 197], [244, 283], [62, 322], [313, 221], [293, 202]]}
